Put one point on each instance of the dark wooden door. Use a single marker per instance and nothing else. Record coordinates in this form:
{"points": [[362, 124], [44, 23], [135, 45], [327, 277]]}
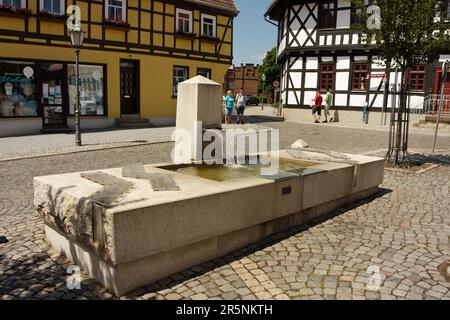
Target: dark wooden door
{"points": [[438, 88], [129, 94], [53, 96]]}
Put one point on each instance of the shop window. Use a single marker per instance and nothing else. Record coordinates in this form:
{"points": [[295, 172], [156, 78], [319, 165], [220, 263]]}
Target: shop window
{"points": [[360, 76], [204, 72], [184, 21], [91, 90], [13, 3], [115, 10], [17, 89], [53, 6], [326, 76], [208, 26], [180, 74], [417, 78], [327, 15]]}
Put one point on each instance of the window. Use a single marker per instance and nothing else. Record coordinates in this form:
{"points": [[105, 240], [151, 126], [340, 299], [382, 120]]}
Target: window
{"points": [[359, 79], [326, 76], [204, 72], [13, 3], [208, 26], [356, 13], [180, 74], [327, 15], [17, 89], [231, 85], [184, 21], [91, 89], [448, 9], [53, 6], [115, 10], [417, 78]]}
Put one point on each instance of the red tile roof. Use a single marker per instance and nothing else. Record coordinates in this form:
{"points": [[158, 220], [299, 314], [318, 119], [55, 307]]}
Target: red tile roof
{"points": [[227, 5]]}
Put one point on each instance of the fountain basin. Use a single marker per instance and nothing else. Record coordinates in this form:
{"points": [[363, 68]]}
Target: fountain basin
{"points": [[147, 235]]}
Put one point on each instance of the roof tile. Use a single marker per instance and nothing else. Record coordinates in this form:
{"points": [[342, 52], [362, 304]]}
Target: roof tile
{"points": [[228, 5]]}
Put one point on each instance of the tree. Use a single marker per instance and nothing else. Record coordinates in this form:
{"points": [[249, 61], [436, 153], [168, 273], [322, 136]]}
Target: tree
{"points": [[403, 33], [272, 71]]}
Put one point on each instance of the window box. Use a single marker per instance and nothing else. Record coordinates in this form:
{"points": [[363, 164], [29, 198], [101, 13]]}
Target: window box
{"points": [[210, 39], [46, 15], [9, 11], [116, 24], [187, 35]]}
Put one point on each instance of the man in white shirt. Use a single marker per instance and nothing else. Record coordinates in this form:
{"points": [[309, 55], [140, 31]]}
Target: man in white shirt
{"points": [[241, 101]]}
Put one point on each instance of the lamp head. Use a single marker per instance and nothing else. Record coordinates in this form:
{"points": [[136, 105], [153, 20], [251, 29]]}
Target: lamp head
{"points": [[77, 36]]}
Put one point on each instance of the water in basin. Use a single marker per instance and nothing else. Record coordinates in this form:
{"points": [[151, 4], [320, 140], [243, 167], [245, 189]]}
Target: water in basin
{"points": [[237, 171]]}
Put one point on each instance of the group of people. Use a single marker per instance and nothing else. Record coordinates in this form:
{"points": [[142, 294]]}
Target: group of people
{"points": [[237, 102], [320, 102]]}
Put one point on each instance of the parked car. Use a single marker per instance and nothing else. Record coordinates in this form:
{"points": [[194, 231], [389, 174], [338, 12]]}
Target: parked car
{"points": [[252, 101]]}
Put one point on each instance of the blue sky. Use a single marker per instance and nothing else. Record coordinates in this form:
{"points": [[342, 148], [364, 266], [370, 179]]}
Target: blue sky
{"points": [[253, 36]]}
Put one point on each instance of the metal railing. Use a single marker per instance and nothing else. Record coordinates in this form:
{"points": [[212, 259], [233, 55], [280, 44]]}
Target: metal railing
{"points": [[430, 106]]}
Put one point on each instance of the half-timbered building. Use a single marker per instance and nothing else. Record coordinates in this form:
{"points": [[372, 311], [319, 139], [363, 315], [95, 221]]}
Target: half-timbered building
{"points": [[318, 50], [135, 53]]}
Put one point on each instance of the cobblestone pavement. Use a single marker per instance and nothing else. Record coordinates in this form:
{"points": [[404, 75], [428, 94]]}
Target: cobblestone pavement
{"points": [[404, 231]]}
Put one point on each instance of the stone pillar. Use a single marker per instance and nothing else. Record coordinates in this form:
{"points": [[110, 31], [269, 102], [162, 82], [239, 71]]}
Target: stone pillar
{"points": [[199, 100]]}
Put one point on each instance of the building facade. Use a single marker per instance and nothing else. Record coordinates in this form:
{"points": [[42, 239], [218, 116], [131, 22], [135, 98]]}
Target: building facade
{"points": [[318, 50], [135, 53], [244, 76]]}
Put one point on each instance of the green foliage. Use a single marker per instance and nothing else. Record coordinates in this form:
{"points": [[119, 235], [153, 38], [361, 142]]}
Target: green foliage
{"points": [[410, 32], [262, 99], [271, 69]]}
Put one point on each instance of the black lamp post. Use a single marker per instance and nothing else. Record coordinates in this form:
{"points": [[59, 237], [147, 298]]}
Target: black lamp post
{"points": [[76, 39], [263, 78]]}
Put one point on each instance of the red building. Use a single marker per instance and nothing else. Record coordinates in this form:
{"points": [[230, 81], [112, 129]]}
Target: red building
{"points": [[246, 76]]}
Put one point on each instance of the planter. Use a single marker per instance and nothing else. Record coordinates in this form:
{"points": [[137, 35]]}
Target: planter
{"points": [[46, 16], [118, 25], [209, 39], [185, 35], [15, 12]]}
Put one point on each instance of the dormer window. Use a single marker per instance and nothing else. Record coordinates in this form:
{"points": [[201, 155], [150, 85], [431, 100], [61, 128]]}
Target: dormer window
{"points": [[327, 15], [115, 10], [55, 7], [13, 3], [184, 21]]}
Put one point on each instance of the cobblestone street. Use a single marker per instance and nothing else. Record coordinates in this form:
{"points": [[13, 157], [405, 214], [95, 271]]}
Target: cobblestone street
{"points": [[403, 232]]}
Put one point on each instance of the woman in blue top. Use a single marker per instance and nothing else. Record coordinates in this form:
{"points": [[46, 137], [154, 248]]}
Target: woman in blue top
{"points": [[229, 100]]}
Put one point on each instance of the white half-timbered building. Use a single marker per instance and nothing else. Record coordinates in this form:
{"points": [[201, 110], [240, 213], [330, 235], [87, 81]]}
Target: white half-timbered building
{"points": [[317, 50]]}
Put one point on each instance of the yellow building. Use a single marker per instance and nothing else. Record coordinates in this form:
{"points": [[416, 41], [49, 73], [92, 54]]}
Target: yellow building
{"points": [[134, 54]]}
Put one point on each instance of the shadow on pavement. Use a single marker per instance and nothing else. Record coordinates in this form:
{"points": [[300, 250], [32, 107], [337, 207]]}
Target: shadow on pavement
{"points": [[440, 159], [204, 268]]}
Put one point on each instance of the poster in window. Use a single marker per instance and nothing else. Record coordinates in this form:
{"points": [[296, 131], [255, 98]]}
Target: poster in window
{"points": [[91, 89], [17, 89]]}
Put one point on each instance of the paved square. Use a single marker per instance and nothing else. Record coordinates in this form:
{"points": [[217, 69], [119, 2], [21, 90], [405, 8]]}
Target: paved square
{"points": [[401, 237]]}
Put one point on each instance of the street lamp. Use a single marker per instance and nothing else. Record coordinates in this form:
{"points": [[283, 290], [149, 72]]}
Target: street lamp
{"points": [[263, 78], [76, 39]]}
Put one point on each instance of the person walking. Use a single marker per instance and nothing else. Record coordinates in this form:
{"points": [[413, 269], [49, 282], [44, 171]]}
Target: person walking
{"points": [[328, 105], [241, 101], [317, 108], [229, 104]]}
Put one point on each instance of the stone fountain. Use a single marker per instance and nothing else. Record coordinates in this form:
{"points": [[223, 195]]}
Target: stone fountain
{"points": [[128, 227]]}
